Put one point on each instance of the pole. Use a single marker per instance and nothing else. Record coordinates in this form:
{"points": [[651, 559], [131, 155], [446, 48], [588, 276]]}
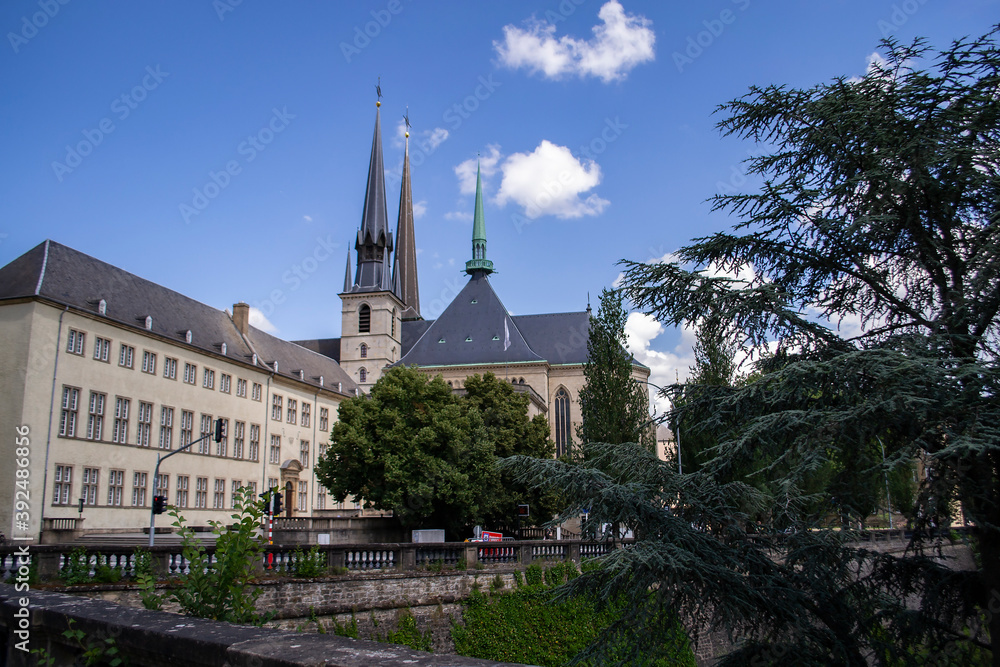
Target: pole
{"points": [[885, 476], [156, 477]]}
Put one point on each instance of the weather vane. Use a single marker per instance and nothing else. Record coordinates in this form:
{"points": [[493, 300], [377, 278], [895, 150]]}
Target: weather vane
{"points": [[378, 89], [406, 118]]}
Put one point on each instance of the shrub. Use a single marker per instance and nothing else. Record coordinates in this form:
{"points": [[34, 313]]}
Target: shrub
{"points": [[76, 568], [309, 565]]}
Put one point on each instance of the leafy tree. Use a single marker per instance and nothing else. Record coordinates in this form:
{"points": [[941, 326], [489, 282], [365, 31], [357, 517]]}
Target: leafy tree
{"points": [[873, 244], [614, 406]]}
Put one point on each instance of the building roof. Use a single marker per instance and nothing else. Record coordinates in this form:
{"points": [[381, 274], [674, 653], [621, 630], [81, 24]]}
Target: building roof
{"points": [[374, 242], [405, 267], [61, 274], [559, 338]]}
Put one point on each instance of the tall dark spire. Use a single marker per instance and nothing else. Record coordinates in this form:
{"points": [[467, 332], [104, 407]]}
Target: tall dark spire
{"points": [[406, 249], [374, 241], [479, 262]]}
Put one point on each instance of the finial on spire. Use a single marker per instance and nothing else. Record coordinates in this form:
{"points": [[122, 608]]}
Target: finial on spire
{"points": [[378, 91]]}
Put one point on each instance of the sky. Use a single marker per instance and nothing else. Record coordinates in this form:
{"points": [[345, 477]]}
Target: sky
{"points": [[220, 147]]}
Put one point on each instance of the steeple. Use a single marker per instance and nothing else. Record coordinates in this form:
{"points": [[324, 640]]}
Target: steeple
{"points": [[374, 242], [405, 269], [479, 263]]}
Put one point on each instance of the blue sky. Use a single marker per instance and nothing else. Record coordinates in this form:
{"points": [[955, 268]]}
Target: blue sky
{"points": [[220, 147]]}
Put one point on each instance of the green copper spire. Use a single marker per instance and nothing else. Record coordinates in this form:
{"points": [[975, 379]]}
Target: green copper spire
{"points": [[479, 261]]}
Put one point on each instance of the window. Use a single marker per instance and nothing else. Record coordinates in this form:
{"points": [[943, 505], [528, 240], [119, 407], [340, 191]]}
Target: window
{"points": [[252, 487], [208, 379], [292, 410], [272, 483], [120, 433], [90, 479], [562, 422], [222, 446], [166, 428], [392, 331], [95, 423], [74, 342], [138, 489], [364, 351], [190, 373], [161, 486], [364, 318], [324, 419], [322, 450], [62, 491], [126, 356], [116, 480], [148, 362], [238, 430], [234, 490], [256, 391], [201, 493], [306, 415], [187, 428], [170, 368], [219, 497], [224, 381], [145, 420], [276, 407], [303, 496], [363, 375], [275, 456], [304, 453], [241, 387], [67, 422], [254, 452], [102, 348], [321, 498], [205, 447], [182, 491]]}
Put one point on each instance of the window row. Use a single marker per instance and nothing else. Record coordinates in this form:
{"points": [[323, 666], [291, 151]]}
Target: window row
{"points": [[293, 416]]}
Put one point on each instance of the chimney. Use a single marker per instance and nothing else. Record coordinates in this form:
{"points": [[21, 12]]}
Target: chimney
{"points": [[241, 317]]}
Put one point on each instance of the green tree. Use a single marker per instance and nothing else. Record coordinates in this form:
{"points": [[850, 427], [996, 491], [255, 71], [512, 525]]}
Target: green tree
{"points": [[613, 405], [873, 245]]}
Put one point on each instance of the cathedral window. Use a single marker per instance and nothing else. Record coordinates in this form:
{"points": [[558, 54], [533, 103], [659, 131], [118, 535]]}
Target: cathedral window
{"points": [[363, 375], [364, 318], [562, 422], [364, 351]]}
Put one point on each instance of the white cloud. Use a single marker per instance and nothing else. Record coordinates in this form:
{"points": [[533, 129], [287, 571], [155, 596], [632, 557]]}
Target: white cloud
{"points": [[665, 368], [620, 42], [425, 140], [260, 321], [419, 208], [307, 218], [550, 181], [461, 216], [487, 164]]}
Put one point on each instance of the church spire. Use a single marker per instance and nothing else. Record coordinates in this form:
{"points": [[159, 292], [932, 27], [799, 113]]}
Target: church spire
{"points": [[374, 241], [405, 269], [479, 261]]}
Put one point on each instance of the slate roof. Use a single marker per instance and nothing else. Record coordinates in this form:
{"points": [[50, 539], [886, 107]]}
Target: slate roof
{"points": [[560, 338], [67, 276]]}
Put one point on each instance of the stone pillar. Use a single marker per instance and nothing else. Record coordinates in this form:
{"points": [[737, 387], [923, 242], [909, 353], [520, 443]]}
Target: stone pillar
{"points": [[407, 557], [336, 558], [573, 552], [525, 554], [471, 555]]}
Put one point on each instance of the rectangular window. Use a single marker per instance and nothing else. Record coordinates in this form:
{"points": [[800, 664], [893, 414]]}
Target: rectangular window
{"points": [[219, 497], [222, 446], [292, 410], [304, 453], [190, 373], [102, 348], [205, 446], [254, 453], [120, 433], [187, 428], [201, 493], [324, 419], [238, 430], [303, 496], [321, 498], [256, 391], [145, 428], [75, 341], [321, 450], [241, 387], [208, 379], [272, 482], [138, 489], [252, 486], [62, 491], [182, 491], [95, 423], [161, 486], [116, 481], [234, 492], [306, 415], [275, 449], [276, 407], [126, 356], [148, 362], [67, 422], [224, 381], [166, 428], [91, 478], [170, 368]]}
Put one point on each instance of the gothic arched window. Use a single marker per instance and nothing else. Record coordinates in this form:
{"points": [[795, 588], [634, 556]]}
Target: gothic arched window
{"points": [[562, 422], [393, 334], [363, 375], [364, 351], [364, 318]]}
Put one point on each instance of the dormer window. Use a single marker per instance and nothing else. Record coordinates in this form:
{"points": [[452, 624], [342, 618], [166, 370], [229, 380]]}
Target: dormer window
{"points": [[149, 323], [223, 349], [102, 307], [187, 336], [254, 358]]}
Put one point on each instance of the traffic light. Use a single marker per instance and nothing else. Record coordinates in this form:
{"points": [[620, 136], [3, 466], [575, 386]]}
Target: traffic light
{"points": [[159, 504], [277, 502], [218, 430]]}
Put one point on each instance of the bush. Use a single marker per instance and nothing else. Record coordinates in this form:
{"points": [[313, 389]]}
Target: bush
{"points": [[407, 633], [533, 575], [309, 565], [76, 568]]}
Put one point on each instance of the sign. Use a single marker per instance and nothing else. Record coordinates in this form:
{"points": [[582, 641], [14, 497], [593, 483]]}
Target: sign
{"points": [[492, 537], [523, 511]]}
